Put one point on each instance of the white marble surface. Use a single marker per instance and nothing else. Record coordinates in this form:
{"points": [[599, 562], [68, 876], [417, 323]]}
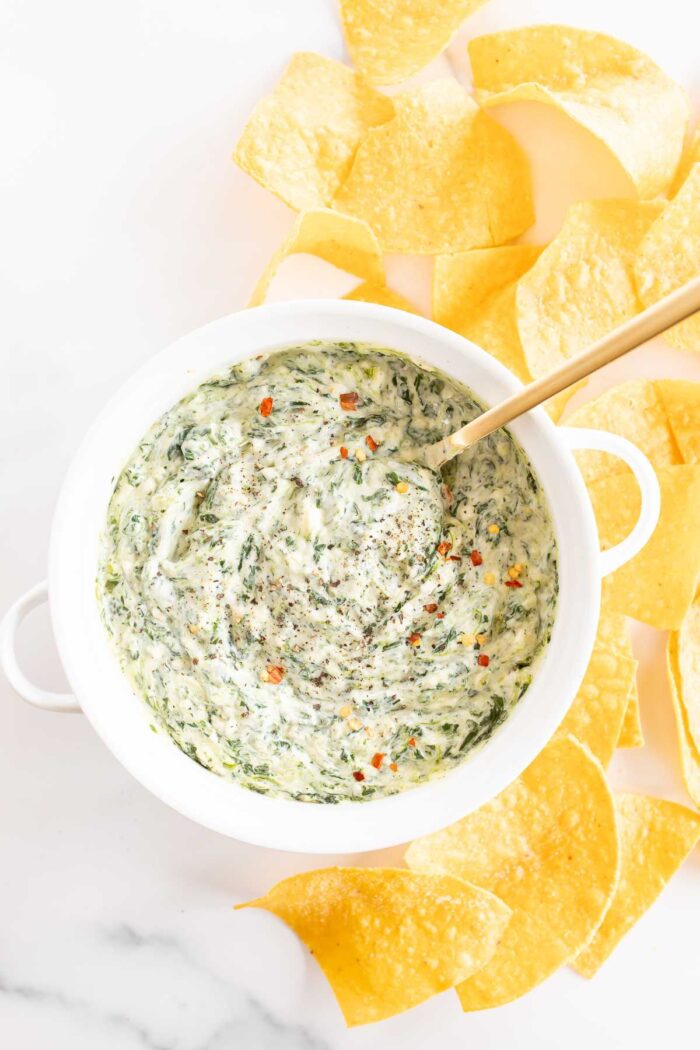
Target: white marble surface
{"points": [[124, 225]]}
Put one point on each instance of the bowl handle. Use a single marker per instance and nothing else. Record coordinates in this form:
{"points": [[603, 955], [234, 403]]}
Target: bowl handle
{"points": [[602, 441], [9, 626]]}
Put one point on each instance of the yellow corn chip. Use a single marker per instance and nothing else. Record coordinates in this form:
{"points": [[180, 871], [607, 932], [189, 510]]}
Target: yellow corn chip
{"points": [[386, 938], [611, 89], [669, 255], [660, 416], [634, 410], [341, 240], [597, 713], [392, 40], [582, 285], [657, 586], [690, 156], [492, 327], [440, 176], [655, 838], [300, 140], [681, 400], [631, 733], [689, 668], [690, 756], [547, 846], [474, 295], [367, 292]]}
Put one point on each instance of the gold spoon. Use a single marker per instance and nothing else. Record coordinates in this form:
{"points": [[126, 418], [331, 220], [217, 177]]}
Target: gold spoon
{"points": [[633, 333]]}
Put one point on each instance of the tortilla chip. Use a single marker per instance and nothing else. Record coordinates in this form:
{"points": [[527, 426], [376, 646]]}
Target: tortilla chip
{"points": [[631, 732], [582, 285], [341, 240], [440, 177], [634, 410], [655, 838], [367, 292], [547, 846], [300, 140], [681, 400], [392, 40], [690, 756], [597, 713], [689, 668], [608, 87], [658, 585], [669, 256], [660, 416], [690, 156], [474, 295], [386, 938]]}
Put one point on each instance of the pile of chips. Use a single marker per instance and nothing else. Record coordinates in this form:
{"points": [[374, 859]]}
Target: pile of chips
{"points": [[556, 869]]}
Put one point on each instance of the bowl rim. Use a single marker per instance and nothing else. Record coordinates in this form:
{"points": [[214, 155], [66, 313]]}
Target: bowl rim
{"points": [[153, 759]]}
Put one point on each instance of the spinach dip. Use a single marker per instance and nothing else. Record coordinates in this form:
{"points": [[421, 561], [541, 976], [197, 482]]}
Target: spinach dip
{"points": [[309, 611]]}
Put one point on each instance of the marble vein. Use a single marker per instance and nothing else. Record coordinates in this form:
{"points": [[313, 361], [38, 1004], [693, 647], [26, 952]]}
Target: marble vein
{"points": [[218, 1014]]}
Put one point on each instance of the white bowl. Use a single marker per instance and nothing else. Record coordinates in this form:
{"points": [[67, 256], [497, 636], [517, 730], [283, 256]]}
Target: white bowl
{"points": [[122, 719]]}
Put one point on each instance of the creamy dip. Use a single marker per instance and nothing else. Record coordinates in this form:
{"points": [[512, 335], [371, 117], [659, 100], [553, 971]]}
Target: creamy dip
{"points": [[308, 610]]}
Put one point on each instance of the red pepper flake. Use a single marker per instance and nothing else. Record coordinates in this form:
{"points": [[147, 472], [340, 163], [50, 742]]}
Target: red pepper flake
{"points": [[344, 452], [358, 775], [476, 558], [265, 407], [371, 444], [412, 741], [431, 608], [447, 494], [454, 557], [377, 760], [513, 583], [414, 639], [440, 616], [482, 660], [393, 766], [275, 674], [348, 402], [443, 547]]}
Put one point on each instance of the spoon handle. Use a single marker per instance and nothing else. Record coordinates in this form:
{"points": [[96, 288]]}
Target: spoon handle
{"points": [[639, 329]]}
